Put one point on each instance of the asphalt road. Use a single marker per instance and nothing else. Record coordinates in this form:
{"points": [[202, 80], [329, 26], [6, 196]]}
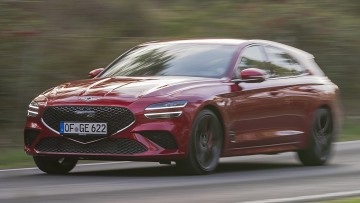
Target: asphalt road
{"points": [[238, 179]]}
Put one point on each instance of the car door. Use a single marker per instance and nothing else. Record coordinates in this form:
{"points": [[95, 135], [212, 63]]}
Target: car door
{"points": [[295, 93], [257, 109]]}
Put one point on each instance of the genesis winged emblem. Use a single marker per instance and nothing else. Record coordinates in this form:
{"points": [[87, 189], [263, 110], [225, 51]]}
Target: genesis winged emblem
{"points": [[88, 98]]}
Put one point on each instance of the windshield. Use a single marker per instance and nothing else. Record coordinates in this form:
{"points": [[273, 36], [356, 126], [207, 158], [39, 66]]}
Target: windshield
{"points": [[198, 60]]}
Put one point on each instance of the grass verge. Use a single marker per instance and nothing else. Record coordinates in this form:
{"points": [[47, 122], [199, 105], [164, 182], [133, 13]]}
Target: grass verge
{"points": [[15, 157], [349, 200], [350, 130]]}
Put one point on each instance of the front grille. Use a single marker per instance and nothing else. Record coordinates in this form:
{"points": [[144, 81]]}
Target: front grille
{"points": [[162, 138], [117, 118], [105, 146], [30, 136]]}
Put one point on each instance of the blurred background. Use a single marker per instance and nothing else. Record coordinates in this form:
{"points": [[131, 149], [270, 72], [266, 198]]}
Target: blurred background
{"points": [[46, 42]]}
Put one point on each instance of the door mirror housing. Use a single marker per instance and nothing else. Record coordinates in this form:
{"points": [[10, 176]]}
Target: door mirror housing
{"points": [[95, 72], [251, 75]]}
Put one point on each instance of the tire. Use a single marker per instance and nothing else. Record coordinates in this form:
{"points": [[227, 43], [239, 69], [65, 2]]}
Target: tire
{"points": [[319, 149], [52, 165], [205, 145]]}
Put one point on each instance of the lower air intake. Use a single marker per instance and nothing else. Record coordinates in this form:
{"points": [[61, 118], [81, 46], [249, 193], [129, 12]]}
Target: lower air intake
{"points": [[162, 138], [105, 146]]}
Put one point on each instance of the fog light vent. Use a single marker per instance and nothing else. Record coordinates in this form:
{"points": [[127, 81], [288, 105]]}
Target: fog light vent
{"points": [[162, 138], [30, 136]]}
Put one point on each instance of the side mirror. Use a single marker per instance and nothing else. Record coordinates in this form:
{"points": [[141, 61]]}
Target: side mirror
{"points": [[95, 72], [251, 75]]}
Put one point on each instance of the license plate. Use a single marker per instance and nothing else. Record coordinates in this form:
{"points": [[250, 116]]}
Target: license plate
{"points": [[83, 128]]}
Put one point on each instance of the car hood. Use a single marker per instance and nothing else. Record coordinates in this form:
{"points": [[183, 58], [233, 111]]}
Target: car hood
{"points": [[129, 88]]}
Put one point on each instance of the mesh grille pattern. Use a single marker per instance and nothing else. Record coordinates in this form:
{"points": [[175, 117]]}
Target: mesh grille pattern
{"points": [[30, 136], [105, 146], [162, 138], [117, 118], [84, 139]]}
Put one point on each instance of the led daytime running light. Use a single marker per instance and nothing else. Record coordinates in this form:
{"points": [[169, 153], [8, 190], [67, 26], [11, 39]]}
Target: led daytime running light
{"points": [[33, 109], [167, 105]]}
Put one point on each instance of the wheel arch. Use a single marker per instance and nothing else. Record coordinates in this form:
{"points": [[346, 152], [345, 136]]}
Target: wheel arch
{"points": [[333, 118], [313, 153], [309, 124], [217, 112], [325, 106], [336, 119]]}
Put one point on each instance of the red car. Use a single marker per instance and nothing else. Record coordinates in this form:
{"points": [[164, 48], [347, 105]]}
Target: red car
{"points": [[188, 101]]}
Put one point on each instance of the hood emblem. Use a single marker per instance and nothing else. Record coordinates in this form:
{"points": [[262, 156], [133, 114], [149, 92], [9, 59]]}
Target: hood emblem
{"points": [[88, 98], [88, 114]]}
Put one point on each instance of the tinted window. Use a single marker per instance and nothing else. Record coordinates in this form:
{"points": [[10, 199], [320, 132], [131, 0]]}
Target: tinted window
{"points": [[202, 60], [251, 57], [281, 63]]}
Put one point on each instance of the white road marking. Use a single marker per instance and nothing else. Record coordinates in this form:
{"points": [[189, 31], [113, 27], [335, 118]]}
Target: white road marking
{"points": [[17, 169], [349, 142], [90, 164], [309, 197]]}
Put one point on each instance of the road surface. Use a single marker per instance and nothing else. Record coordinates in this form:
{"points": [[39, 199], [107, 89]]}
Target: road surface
{"points": [[260, 178]]}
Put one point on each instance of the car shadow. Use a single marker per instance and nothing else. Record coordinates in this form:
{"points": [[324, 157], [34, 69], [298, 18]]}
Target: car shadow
{"points": [[171, 170]]}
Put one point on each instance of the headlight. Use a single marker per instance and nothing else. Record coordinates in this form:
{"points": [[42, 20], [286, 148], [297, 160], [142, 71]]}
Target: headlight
{"points": [[167, 105], [33, 110]]}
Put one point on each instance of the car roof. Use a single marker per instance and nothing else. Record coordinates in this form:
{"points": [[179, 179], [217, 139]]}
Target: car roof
{"points": [[236, 42], [203, 41]]}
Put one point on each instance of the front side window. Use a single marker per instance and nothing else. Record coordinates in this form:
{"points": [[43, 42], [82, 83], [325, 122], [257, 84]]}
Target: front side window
{"points": [[172, 59], [251, 57], [282, 64]]}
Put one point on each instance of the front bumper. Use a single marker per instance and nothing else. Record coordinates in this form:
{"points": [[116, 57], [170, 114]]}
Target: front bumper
{"points": [[145, 139]]}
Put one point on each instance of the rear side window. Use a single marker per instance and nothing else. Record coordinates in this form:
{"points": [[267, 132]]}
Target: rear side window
{"points": [[282, 64]]}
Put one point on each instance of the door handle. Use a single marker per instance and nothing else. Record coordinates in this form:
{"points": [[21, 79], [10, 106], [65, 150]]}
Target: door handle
{"points": [[308, 89], [274, 93]]}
